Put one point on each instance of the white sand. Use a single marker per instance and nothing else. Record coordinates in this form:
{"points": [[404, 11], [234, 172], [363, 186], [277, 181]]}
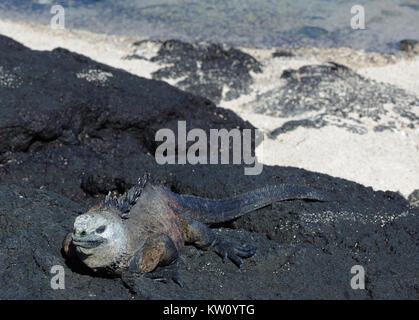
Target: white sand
{"points": [[404, 74], [383, 160]]}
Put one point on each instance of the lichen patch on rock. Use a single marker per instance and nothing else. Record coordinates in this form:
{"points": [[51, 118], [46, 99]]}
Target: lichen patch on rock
{"points": [[95, 75]]}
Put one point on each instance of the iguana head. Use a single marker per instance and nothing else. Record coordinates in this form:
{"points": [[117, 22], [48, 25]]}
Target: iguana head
{"points": [[100, 238], [100, 235]]}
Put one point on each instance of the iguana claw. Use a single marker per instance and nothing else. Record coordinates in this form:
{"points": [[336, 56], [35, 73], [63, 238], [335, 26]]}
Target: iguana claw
{"points": [[166, 273], [234, 251]]}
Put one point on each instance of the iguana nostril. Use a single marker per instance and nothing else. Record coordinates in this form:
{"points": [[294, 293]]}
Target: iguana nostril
{"points": [[83, 233]]}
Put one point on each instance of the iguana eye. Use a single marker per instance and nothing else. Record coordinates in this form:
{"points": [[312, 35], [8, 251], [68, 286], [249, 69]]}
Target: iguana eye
{"points": [[100, 229]]}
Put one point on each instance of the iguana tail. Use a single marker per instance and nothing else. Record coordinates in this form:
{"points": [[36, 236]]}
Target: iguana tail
{"points": [[216, 211]]}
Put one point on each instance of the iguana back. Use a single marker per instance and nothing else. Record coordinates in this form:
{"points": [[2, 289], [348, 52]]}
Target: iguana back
{"points": [[212, 211]]}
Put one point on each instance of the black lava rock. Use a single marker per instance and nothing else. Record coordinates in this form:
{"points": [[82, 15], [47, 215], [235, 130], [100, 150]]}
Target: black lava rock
{"points": [[282, 53], [410, 46], [334, 95], [204, 69], [63, 115], [414, 198]]}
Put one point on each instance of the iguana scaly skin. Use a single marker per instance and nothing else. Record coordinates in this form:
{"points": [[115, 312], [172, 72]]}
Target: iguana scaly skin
{"points": [[144, 230]]}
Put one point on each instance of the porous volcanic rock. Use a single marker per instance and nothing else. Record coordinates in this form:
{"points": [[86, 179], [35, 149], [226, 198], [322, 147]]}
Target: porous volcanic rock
{"points": [[315, 96], [64, 115], [410, 46], [214, 71], [414, 198]]}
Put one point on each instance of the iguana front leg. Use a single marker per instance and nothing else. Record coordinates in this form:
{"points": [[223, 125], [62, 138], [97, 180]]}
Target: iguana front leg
{"points": [[202, 237], [156, 258]]}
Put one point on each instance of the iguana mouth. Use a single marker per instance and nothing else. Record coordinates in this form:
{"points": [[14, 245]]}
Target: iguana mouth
{"points": [[87, 243]]}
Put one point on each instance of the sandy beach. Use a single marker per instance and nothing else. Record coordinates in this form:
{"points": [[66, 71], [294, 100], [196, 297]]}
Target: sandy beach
{"points": [[384, 160]]}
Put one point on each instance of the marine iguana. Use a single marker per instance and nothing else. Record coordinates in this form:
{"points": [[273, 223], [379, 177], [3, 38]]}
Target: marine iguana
{"points": [[143, 231]]}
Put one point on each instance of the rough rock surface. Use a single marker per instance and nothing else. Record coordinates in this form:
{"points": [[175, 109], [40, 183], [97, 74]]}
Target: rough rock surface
{"points": [[410, 46], [305, 250], [70, 134], [332, 94], [414, 198], [62, 114], [213, 71]]}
